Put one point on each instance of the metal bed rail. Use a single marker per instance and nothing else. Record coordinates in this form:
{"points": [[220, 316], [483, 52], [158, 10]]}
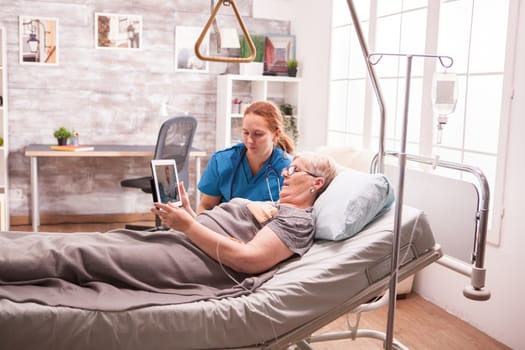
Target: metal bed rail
{"points": [[302, 336], [476, 271]]}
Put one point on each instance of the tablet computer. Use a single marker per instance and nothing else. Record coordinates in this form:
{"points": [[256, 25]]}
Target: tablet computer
{"points": [[165, 181]]}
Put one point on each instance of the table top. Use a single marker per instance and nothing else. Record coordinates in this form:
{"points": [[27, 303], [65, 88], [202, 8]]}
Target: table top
{"points": [[44, 150]]}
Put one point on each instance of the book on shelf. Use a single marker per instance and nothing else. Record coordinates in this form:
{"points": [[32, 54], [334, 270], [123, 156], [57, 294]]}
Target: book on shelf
{"points": [[72, 148]]}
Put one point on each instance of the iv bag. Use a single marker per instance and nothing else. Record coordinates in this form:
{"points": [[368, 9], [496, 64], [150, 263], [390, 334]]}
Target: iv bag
{"points": [[444, 93]]}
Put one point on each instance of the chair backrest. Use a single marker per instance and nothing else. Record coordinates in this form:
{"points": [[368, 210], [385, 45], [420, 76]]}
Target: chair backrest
{"points": [[174, 142]]}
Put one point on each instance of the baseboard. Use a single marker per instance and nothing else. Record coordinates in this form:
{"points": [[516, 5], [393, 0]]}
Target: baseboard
{"points": [[53, 219]]}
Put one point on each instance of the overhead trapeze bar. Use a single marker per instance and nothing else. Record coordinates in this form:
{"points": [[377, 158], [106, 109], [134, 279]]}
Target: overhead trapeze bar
{"points": [[244, 31]]}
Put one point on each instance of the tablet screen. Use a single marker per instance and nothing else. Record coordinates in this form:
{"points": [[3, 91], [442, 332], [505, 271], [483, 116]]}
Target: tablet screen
{"points": [[166, 178]]}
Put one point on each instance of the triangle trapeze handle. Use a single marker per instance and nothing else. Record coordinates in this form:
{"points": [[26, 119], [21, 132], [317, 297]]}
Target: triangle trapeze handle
{"points": [[201, 37]]}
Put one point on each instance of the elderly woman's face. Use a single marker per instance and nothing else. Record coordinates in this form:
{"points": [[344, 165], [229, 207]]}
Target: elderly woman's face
{"points": [[298, 181]]}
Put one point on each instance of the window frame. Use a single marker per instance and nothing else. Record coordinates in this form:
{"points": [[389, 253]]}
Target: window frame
{"points": [[422, 145]]}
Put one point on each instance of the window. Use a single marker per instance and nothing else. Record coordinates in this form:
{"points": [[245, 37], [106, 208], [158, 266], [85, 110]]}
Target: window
{"points": [[473, 32]]}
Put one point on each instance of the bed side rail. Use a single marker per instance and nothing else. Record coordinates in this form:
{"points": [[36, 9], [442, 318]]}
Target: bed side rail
{"points": [[303, 334], [476, 270]]}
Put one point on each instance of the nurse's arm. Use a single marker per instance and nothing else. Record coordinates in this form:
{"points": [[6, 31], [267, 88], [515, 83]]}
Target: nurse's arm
{"points": [[208, 202]]}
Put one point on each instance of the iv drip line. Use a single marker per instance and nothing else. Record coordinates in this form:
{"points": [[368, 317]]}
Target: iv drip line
{"points": [[444, 99]]}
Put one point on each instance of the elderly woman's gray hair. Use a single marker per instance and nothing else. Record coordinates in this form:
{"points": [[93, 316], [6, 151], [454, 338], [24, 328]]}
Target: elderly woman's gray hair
{"points": [[321, 165]]}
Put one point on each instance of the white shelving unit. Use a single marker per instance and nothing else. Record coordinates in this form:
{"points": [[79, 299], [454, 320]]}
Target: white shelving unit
{"points": [[4, 148], [248, 88]]}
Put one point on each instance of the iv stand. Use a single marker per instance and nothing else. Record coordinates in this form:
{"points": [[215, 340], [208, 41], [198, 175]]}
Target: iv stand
{"points": [[374, 59]]}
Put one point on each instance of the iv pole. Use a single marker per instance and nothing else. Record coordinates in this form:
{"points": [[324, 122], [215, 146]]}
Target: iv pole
{"points": [[374, 59], [370, 62]]}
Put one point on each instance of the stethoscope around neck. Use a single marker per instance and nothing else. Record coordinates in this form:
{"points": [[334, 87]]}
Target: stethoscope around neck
{"points": [[268, 171]]}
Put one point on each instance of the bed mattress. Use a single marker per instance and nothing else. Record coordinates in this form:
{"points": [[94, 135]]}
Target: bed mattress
{"points": [[329, 275]]}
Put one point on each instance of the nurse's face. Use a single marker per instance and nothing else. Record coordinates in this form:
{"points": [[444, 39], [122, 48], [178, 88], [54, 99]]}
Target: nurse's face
{"points": [[256, 135]]}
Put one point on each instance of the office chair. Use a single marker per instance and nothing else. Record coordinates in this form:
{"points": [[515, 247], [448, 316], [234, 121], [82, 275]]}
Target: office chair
{"points": [[174, 142]]}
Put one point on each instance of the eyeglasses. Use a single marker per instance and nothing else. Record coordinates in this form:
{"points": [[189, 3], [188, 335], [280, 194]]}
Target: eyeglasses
{"points": [[292, 169]]}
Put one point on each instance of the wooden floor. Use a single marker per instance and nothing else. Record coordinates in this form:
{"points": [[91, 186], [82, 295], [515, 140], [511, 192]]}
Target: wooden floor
{"points": [[419, 324]]}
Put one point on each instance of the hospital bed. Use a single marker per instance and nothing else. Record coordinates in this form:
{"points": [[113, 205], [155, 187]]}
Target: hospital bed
{"points": [[305, 294], [331, 279]]}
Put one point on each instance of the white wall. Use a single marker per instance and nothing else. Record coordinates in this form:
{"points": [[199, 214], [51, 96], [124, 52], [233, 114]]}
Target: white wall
{"points": [[503, 315], [273, 9], [311, 25]]}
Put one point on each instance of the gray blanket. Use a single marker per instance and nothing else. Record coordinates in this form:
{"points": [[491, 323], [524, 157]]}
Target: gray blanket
{"points": [[118, 270]]}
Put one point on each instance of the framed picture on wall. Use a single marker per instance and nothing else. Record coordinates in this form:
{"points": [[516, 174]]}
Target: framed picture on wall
{"points": [[116, 31], [185, 58], [38, 40], [278, 50]]}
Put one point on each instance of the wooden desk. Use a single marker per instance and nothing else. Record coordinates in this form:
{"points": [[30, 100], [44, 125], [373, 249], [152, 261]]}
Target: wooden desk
{"points": [[35, 151]]}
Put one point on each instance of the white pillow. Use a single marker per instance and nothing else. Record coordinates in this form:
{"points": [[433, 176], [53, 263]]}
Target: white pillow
{"points": [[352, 200]]}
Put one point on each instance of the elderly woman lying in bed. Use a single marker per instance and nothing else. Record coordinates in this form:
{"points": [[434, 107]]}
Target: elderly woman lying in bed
{"points": [[227, 251]]}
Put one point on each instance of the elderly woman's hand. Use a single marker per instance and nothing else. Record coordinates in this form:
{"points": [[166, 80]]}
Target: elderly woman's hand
{"points": [[185, 199], [173, 216]]}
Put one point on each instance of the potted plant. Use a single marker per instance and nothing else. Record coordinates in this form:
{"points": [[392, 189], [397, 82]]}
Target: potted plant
{"points": [[286, 109], [289, 121], [62, 135], [255, 67], [292, 67]]}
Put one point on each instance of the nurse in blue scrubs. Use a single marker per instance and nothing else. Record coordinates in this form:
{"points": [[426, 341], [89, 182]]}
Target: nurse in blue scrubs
{"points": [[251, 169]]}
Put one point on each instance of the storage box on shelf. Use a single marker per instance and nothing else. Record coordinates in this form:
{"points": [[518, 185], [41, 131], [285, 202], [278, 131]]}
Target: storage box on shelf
{"points": [[234, 92]]}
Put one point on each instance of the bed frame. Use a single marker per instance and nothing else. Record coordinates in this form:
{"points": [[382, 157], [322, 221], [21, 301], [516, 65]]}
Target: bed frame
{"points": [[358, 305], [305, 294], [332, 279]]}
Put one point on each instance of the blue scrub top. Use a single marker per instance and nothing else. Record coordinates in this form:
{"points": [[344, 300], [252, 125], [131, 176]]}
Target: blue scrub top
{"points": [[228, 175]]}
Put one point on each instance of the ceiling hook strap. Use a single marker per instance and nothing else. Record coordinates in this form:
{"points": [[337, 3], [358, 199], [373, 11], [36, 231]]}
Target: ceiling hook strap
{"points": [[201, 37]]}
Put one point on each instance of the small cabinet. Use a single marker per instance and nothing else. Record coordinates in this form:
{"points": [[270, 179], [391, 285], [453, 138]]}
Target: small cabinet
{"points": [[4, 148], [244, 89]]}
